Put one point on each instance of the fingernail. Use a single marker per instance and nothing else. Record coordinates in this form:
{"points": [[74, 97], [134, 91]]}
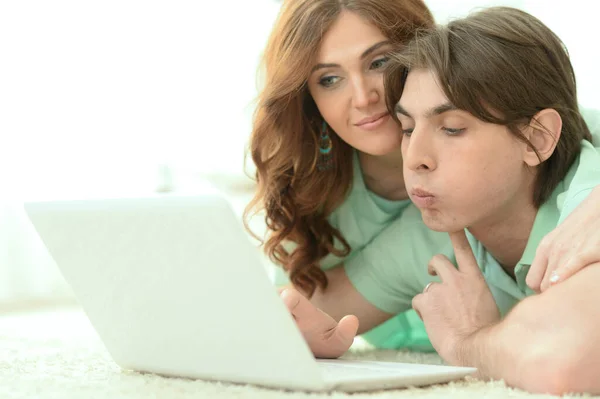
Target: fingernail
{"points": [[554, 278]]}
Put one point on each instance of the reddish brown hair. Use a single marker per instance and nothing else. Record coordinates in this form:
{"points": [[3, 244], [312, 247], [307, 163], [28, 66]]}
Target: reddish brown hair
{"points": [[296, 197]]}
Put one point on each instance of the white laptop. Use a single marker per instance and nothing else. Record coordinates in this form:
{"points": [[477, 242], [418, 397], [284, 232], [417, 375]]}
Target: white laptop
{"points": [[173, 286]]}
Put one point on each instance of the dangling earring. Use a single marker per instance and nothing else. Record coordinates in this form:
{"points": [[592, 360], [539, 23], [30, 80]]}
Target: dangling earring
{"points": [[325, 145]]}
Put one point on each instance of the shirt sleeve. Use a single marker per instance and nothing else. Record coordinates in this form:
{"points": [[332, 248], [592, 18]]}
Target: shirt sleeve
{"points": [[592, 119], [392, 268], [585, 179]]}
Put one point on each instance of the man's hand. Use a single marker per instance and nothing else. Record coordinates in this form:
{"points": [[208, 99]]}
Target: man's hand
{"points": [[326, 337], [459, 306]]}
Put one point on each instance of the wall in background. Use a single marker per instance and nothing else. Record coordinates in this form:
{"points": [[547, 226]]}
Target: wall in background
{"points": [[121, 96]]}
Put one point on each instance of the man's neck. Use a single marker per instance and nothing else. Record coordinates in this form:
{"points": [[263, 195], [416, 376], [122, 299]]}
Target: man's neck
{"points": [[506, 236]]}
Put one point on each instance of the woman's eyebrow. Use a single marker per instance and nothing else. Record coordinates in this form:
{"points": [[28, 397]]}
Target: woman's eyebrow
{"points": [[364, 55]]}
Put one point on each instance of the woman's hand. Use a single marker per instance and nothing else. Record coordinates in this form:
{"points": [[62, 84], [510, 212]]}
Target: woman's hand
{"points": [[326, 337], [573, 245]]}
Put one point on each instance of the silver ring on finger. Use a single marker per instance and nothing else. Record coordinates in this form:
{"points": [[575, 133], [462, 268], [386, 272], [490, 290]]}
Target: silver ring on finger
{"points": [[427, 287]]}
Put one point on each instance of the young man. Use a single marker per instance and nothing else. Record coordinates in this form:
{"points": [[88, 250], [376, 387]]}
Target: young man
{"points": [[494, 143]]}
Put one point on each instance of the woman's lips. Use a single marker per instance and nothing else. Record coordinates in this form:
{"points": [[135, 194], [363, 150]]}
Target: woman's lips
{"points": [[372, 123]]}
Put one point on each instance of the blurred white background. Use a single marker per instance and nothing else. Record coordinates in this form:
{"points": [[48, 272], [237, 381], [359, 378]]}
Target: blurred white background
{"points": [[125, 96]]}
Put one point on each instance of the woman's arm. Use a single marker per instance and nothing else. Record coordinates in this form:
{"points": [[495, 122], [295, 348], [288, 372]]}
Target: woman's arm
{"points": [[572, 246], [329, 321], [373, 284], [341, 298]]}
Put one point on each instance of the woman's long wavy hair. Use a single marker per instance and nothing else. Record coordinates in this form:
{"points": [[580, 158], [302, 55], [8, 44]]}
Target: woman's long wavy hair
{"points": [[296, 197]]}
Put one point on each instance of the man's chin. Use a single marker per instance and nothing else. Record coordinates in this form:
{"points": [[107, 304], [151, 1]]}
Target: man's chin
{"points": [[437, 222]]}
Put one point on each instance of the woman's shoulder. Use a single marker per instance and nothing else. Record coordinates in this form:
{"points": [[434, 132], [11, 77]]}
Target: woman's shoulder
{"points": [[363, 203]]}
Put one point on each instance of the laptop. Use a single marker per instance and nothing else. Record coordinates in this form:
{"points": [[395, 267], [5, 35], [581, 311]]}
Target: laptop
{"points": [[173, 286]]}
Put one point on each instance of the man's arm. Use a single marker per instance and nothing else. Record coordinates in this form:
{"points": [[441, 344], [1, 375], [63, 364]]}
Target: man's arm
{"points": [[548, 343]]}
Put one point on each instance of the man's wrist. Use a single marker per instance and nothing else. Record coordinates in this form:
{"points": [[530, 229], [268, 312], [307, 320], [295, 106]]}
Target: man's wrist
{"points": [[478, 350]]}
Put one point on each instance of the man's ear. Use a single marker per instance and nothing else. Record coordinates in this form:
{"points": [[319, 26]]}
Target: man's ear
{"points": [[543, 132]]}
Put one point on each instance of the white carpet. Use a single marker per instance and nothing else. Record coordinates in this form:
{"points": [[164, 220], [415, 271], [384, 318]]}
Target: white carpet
{"points": [[56, 354]]}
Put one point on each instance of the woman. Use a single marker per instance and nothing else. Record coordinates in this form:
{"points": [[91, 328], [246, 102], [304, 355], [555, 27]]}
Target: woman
{"points": [[327, 153]]}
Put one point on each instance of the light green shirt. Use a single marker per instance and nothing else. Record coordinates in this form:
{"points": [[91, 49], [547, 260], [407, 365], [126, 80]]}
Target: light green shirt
{"points": [[360, 218], [391, 270], [364, 215], [592, 119]]}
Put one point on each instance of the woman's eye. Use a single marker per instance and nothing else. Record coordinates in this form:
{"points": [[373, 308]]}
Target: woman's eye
{"points": [[329, 81]]}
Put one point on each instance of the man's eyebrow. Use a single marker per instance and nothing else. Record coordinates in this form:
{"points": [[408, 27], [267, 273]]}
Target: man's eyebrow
{"points": [[364, 55], [440, 109], [400, 110]]}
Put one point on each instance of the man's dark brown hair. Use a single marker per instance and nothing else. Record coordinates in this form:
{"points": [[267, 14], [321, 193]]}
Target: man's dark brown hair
{"points": [[503, 66]]}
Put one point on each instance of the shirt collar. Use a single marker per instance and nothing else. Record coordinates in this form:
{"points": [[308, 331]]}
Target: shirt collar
{"points": [[545, 221]]}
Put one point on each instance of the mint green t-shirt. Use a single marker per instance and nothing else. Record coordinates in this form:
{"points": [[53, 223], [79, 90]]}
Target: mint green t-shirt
{"points": [[582, 177], [360, 218], [592, 119], [368, 221], [406, 330], [391, 270]]}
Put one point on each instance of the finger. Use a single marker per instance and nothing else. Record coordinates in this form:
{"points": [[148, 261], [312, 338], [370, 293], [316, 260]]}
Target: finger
{"points": [[561, 253], [325, 337], [298, 305], [546, 279], [441, 266], [428, 287], [311, 321], [418, 304], [336, 341], [571, 266], [464, 254], [346, 331], [558, 253], [538, 268], [281, 289]]}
